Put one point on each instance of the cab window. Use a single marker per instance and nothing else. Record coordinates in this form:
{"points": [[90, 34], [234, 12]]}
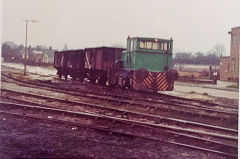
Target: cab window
{"points": [[142, 45], [145, 45], [132, 47], [160, 46], [155, 46], [163, 46], [149, 45]]}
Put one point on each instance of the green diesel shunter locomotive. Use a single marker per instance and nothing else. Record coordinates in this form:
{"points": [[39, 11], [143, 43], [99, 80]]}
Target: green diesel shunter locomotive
{"points": [[146, 65]]}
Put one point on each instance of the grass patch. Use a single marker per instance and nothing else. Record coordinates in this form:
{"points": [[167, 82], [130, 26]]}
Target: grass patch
{"points": [[233, 86]]}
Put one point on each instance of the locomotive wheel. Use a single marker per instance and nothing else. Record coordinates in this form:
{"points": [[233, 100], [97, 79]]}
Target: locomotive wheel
{"points": [[141, 74], [93, 80], [127, 83], [172, 74]]}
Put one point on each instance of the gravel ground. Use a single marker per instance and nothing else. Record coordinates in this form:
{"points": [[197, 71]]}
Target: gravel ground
{"points": [[28, 138]]}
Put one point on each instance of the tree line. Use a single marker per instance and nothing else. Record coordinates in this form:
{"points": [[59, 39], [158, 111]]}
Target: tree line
{"points": [[197, 58], [12, 52], [212, 57]]}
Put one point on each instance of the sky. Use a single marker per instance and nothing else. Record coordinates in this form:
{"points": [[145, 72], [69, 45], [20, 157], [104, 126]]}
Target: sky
{"points": [[194, 25]]}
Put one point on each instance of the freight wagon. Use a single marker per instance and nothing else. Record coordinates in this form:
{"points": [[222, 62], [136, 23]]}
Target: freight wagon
{"points": [[100, 62], [71, 63]]}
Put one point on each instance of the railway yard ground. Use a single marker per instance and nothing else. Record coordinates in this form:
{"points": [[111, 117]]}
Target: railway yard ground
{"points": [[43, 116]]}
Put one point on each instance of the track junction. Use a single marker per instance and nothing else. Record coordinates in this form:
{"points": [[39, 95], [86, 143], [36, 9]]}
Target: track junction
{"points": [[174, 120]]}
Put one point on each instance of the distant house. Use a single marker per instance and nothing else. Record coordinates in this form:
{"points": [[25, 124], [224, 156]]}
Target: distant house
{"points": [[229, 66], [50, 54], [34, 57], [38, 57]]}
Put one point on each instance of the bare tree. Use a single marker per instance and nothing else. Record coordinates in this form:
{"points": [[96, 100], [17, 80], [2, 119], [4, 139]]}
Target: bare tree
{"points": [[65, 47], [219, 50]]}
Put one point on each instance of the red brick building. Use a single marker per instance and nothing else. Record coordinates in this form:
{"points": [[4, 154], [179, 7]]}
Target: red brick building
{"points": [[229, 66]]}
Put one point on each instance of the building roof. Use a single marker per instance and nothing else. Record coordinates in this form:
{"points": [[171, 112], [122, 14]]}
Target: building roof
{"points": [[238, 27], [36, 52], [50, 53], [151, 39], [225, 57], [104, 47]]}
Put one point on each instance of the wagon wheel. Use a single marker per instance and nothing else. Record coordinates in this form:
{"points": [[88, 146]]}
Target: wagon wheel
{"points": [[102, 81], [65, 77], [81, 78], [93, 79], [60, 75]]}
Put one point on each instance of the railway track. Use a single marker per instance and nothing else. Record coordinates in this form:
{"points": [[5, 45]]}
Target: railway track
{"points": [[155, 97], [157, 121], [145, 96], [117, 125], [183, 127], [152, 105]]}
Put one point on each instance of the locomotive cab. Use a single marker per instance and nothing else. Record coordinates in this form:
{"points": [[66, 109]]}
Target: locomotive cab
{"points": [[150, 62]]}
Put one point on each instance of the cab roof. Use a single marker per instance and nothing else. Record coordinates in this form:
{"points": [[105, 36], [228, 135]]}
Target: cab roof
{"points": [[150, 39]]}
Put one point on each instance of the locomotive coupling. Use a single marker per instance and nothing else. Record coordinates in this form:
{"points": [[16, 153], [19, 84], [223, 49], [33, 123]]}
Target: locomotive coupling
{"points": [[172, 74], [142, 73]]}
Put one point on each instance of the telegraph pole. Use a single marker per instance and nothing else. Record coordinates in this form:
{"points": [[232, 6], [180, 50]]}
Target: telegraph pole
{"points": [[25, 49]]}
